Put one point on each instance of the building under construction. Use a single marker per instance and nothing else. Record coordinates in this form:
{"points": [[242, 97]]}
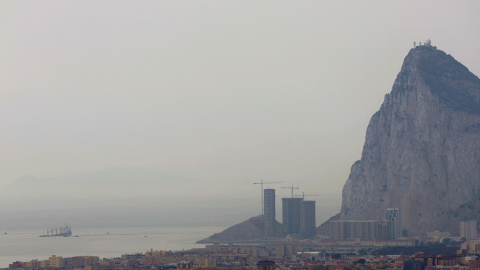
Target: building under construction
{"points": [[299, 217], [291, 215], [308, 227], [269, 212]]}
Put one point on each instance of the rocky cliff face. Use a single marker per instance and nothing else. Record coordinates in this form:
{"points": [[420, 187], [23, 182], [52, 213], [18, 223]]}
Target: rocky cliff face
{"points": [[422, 148]]}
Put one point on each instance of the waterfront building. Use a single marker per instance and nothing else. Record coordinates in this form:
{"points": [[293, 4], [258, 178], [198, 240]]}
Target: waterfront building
{"points": [[285, 250], [266, 265], [269, 212], [414, 265], [438, 235], [209, 261], [468, 229], [361, 229], [307, 219], [291, 215], [55, 262], [395, 216], [470, 247]]}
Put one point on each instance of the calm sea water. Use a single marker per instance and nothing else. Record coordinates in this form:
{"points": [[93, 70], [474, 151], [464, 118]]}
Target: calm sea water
{"points": [[108, 232], [105, 242]]}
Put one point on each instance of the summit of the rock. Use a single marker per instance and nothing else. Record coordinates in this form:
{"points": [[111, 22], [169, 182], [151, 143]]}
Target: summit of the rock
{"points": [[422, 148], [447, 78]]}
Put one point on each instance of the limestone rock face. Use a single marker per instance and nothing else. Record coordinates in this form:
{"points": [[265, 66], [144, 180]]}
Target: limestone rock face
{"points": [[422, 148]]}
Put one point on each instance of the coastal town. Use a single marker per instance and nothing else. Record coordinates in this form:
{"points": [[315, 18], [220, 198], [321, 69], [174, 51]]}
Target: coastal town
{"points": [[296, 244], [281, 256], [135, 135]]}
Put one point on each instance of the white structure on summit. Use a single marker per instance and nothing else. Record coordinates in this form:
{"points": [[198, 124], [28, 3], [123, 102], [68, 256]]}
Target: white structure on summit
{"points": [[428, 42]]}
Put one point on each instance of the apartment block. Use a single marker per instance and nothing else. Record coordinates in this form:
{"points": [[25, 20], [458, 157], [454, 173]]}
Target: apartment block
{"points": [[269, 212], [395, 216], [468, 229], [307, 219], [361, 229], [291, 215]]}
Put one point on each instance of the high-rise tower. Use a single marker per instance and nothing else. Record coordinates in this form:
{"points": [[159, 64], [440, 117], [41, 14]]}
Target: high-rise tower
{"points": [[468, 229], [395, 216], [307, 219], [291, 215], [269, 212]]}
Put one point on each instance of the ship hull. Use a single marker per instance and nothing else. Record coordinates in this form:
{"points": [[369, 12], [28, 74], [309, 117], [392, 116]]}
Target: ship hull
{"points": [[54, 235]]}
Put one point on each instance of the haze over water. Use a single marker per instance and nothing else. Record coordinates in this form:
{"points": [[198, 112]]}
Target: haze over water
{"points": [[104, 242], [215, 95], [108, 232], [227, 92]]}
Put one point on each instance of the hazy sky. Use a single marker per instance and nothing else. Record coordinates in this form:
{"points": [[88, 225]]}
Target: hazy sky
{"points": [[228, 91]]}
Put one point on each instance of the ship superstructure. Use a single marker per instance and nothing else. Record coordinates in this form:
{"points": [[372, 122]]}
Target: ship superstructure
{"points": [[60, 231]]}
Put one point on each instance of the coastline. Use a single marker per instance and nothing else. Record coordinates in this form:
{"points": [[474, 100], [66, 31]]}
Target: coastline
{"points": [[104, 242]]}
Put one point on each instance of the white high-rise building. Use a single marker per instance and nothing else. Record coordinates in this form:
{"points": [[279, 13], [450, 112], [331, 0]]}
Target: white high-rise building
{"points": [[468, 229], [395, 215]]}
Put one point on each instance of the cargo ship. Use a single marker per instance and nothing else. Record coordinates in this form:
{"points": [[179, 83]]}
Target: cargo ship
{"points": [[61, 231]]}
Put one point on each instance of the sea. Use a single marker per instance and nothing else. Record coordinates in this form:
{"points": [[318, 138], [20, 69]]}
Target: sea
{"points": [[107, 242], [106, 237]]}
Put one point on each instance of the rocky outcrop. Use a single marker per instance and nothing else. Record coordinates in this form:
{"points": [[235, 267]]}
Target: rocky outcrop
{"points": [[251, 229], [422, 148], [324, 228]]}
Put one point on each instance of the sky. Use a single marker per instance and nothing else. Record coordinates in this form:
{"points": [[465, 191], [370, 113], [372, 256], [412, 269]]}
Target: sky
{"points": [[232, 92]]}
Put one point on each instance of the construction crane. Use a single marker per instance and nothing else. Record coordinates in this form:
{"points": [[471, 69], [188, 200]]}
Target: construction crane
{"points": [[261, 189], [292, 187], [303, 195]]}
